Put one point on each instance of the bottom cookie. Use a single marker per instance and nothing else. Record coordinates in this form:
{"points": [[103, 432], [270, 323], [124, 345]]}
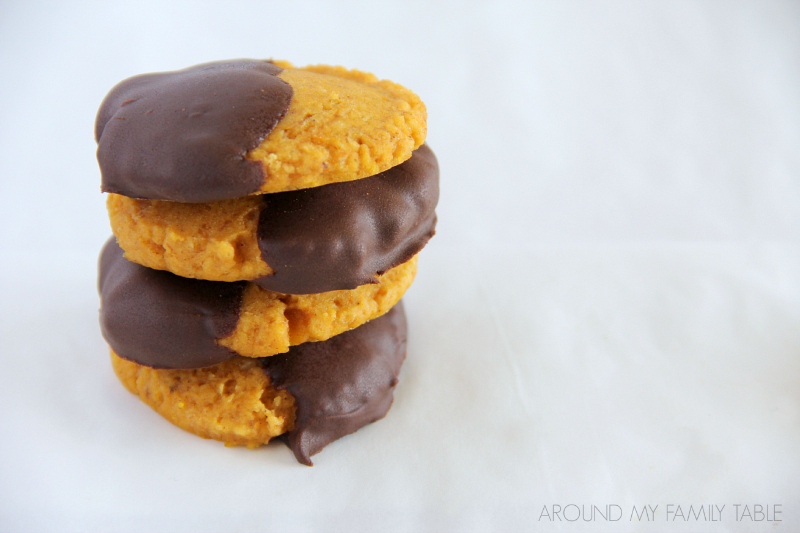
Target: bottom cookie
{"points": [[316, 393]]}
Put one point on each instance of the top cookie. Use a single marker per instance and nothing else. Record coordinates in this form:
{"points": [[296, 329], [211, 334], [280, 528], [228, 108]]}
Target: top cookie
{"points": [[230, 129]]}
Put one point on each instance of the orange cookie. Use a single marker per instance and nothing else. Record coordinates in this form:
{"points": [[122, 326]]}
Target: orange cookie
{"points": [[161, 320], [334, 237], [233, 128], [315, 394]]}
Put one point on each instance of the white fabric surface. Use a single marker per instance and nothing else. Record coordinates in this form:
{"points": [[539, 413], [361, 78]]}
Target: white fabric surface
{"points": [[608, 316]]}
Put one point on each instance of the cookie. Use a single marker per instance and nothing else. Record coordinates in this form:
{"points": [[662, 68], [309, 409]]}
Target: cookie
{"points": [[230, 129], [161, 320], [233, 402], [313, 395], [334, 237]]}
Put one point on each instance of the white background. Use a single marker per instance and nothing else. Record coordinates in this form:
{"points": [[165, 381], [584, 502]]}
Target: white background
{"points": [[609, 314]]}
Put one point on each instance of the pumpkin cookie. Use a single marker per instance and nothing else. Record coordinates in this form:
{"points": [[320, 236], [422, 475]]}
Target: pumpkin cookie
{"points": [[233, 128], [313, 395], [334, 237], [162, 320]]}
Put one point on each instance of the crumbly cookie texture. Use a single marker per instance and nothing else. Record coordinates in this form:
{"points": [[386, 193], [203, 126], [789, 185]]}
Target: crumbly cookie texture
{"points": [[341, 125], [270, 322], [215, 240], [233, 402]]}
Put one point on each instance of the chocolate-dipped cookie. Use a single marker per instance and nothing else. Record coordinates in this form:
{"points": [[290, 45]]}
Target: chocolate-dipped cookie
{"points": [[161, 320], [333, 237], [313, 395], [234, 128]]}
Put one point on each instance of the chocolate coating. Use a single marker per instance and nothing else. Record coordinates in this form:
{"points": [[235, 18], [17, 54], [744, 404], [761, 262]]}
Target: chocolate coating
{"points": [[161, 320], [342, 235], [183, 135], [341, 384]]}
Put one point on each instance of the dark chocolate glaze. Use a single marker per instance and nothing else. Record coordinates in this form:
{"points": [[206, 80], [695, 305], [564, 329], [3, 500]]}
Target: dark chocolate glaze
{"points": [[342, 235], [340, 384], [161, 320], [183, 135]]}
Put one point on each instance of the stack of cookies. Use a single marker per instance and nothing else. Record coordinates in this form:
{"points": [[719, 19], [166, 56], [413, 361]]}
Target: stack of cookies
{"points": [[266, 222]]}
